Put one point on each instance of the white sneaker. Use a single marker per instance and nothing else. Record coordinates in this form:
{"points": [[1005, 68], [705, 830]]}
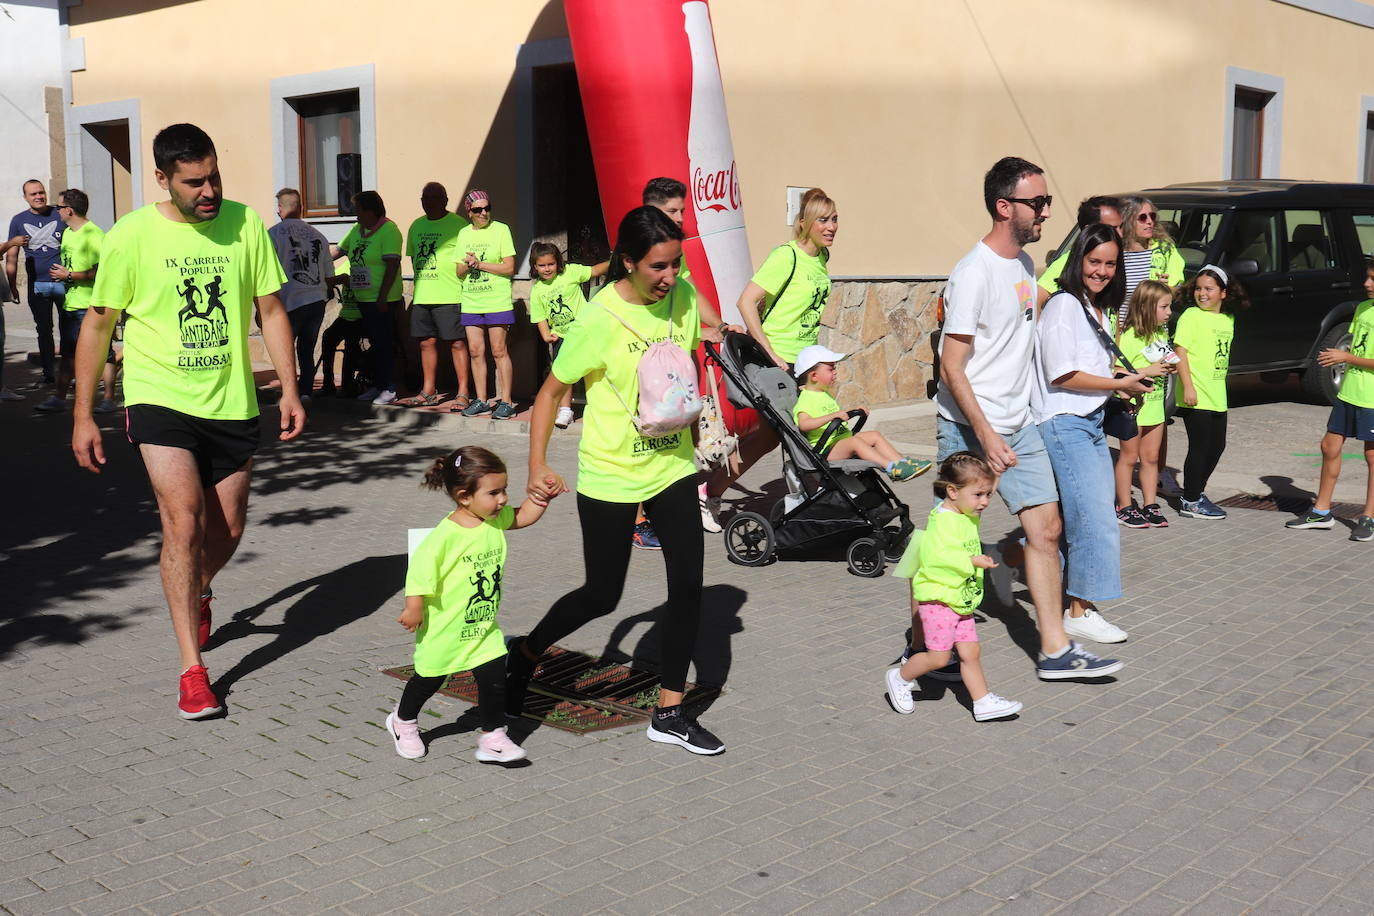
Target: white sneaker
{"points": [[899, 692], [384, 397], [1094, 626], [369, 394], [107, 405], [710, 511], [495, 747], [406, 736], [994, 707], [564, 418], [7, 395]]}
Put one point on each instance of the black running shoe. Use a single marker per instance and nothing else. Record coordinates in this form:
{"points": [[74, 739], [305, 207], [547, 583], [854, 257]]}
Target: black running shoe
{"points": [[681, 729]]}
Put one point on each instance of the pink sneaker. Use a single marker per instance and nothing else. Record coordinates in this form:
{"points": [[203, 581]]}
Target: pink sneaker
{"points": [[495, 747], [406, 736]]}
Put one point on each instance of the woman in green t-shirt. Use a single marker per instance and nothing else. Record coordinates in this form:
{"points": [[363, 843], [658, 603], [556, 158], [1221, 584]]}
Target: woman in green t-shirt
{"points": [[782, 304], [486, 268], [643, 303]]}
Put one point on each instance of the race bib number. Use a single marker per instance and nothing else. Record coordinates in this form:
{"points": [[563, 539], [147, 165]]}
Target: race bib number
{"points": [[360, 277]]}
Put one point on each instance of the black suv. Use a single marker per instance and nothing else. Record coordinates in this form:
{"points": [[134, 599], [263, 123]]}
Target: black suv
{"points": [[1299, 247]]}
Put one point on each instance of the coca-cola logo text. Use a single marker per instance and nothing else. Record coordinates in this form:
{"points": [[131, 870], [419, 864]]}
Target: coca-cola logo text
{"points": [[716, 190]]}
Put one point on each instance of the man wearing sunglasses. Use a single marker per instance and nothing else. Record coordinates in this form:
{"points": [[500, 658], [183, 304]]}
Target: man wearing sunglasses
{"points": [[987, 349]]}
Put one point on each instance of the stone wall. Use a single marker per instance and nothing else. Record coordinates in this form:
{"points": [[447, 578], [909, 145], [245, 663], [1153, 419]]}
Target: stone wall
{"points": [[886, 328]]}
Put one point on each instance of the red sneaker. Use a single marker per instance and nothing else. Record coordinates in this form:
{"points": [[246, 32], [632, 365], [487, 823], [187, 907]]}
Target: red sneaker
{"points": [[205, 618], [197, 699]]}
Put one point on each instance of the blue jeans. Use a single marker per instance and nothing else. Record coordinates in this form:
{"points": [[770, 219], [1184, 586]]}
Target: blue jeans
{"points": [[1083, 469], [305, 328], [45, 298]]}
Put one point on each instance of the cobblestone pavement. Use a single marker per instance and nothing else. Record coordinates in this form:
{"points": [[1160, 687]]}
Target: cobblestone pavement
{"points": [[1226, 770]]}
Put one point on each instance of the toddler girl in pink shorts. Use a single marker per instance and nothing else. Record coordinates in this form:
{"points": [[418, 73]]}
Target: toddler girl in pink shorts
{"points": [[948, 586]]}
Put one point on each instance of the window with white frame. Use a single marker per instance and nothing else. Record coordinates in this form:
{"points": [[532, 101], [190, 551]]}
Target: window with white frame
{"points": [[326, 126], [1254, 124]]}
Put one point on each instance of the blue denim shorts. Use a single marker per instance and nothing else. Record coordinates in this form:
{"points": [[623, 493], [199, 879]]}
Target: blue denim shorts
{"points": [[1029, 482]]}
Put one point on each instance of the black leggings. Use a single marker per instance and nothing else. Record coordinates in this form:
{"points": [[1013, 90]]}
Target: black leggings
{"points": [[1206, 441], [606, 531], [491, 694]]}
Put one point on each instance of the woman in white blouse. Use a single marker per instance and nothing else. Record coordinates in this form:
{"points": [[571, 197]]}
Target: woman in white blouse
{"points": [[1071, 386]]}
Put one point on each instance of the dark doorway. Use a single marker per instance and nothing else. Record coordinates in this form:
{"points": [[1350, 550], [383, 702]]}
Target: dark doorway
{"points": [[567, 205]]}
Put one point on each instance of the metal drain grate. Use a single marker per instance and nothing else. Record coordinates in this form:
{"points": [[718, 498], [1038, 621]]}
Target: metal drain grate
{"points": [[578, 693], [1293, 505]]}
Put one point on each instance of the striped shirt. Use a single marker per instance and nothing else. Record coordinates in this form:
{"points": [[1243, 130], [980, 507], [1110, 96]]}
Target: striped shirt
{"points": [[1137, 268]]}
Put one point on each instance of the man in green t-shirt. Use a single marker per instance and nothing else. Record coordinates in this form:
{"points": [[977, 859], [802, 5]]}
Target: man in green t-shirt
{"points": [[78, 257], [435, 309], [186, 273]]}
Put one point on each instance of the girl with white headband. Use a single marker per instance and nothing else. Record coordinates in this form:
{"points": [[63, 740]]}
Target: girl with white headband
{"points": [[1203, 342]]}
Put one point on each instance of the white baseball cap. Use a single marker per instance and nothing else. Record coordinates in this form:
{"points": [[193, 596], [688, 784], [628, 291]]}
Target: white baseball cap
{"points": [[813, 355]]}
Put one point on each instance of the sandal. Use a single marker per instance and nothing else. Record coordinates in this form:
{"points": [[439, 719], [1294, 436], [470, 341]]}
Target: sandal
{"points": [[460, 403], [433, 400], [415, 400]]}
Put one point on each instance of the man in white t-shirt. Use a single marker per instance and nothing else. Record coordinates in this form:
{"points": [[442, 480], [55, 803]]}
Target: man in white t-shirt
{"points": [[303, 251], [987, 355]]}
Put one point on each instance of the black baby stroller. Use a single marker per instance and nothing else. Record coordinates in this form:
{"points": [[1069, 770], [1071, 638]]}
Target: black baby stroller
{"points": [[829, 503]]}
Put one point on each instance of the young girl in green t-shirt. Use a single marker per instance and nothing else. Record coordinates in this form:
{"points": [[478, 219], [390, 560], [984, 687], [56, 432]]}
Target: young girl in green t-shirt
{"points": [[555, 299], [947, 587], [1202, 340], [453, 590], [1144, 340]]}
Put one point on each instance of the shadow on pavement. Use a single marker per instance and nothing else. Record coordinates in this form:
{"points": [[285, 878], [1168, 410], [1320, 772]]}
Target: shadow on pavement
{"points": [[720, 607], [63, 527], [324, 604]]}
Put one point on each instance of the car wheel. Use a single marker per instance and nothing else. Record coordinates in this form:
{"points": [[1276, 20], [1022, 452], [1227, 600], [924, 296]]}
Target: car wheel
{"points": [[1324, 384]]}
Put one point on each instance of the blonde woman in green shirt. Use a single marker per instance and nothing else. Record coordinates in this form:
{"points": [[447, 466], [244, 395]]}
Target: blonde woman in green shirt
{"points": [[783, 303]]}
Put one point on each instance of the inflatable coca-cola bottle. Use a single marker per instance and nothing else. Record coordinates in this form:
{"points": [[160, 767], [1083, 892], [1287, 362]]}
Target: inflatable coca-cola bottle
{"points": [[655, 107]]}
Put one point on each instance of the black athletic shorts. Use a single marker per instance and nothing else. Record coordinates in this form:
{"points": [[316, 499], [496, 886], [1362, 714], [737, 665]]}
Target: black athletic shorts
{"points": [[220, 447]]}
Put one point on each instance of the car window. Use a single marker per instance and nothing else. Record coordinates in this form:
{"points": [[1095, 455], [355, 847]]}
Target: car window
{"points": [[1192, 230], [1308, 240], [1255, 237], [1364, 228]]}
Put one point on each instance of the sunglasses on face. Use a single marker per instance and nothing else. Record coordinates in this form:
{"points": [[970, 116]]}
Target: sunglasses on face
{"points": [[479, 209], [1146, 217], [1038, 204]]}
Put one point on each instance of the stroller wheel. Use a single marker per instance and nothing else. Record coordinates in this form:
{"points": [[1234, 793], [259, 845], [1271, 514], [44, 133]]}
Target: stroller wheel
{"points": [[749, 539], [894, 545], [865, 558]]}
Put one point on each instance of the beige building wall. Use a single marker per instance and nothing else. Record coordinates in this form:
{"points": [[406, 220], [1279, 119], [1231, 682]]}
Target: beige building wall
{"points": [[895, 107]]}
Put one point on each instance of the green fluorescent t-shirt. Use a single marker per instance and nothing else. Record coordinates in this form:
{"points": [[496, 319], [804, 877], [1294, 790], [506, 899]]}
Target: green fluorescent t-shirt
{"points": [[614, 462], [818, 403], [558, 301], [81, 251], [1133, 348], [348, 305], [946, 573], [794, 320], [432, 246], [1206, 339], [187, 290], [368, 256], [484, 293], [1358, 386], [457, 571]]}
